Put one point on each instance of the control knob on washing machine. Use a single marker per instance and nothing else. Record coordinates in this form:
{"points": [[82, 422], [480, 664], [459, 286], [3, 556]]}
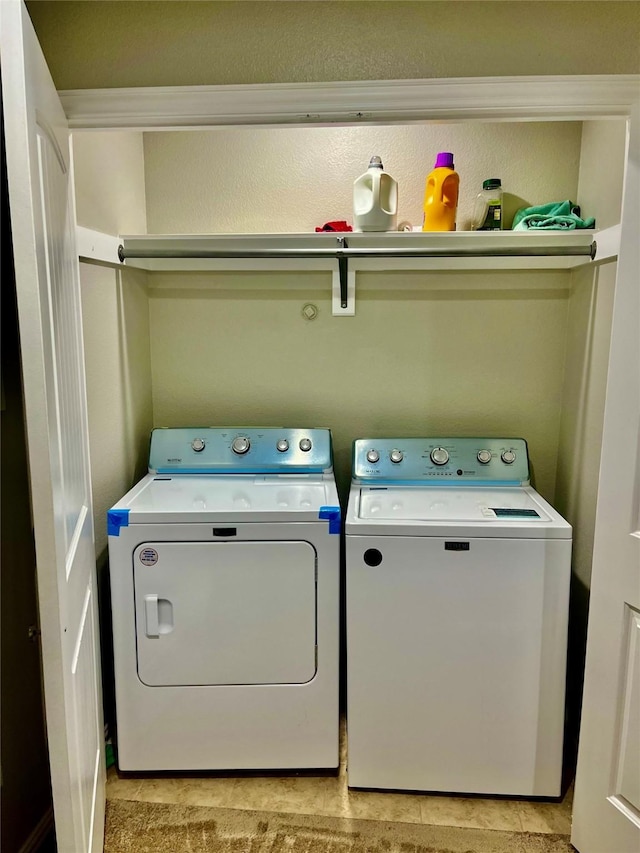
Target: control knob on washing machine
{"points": [[373, 456], [439, 456], [198, 445], [508, 457], [282, 445], [396, 456], [484, 457], [240, 445], [305, 444]]}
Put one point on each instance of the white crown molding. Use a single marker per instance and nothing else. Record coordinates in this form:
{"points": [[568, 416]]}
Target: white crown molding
{"points": [[383, 101]]}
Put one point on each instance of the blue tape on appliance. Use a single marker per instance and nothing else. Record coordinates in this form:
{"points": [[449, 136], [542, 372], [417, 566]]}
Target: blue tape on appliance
{"points": [[332, 513], [117, 518]]}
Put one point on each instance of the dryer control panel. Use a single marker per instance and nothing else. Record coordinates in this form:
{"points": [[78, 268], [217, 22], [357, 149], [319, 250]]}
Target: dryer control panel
{"points": [[441, 461], [240, 450]]}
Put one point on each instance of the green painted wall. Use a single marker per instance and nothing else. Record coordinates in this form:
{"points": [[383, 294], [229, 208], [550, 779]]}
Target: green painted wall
{"points": [[103, 44]]}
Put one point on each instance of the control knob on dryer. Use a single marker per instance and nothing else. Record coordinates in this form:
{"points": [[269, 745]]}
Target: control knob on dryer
{"points": [[439, 456], [240, 445]]}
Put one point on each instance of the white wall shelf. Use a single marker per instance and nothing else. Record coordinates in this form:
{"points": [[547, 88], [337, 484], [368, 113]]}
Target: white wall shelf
{"points": [[346, 254]]}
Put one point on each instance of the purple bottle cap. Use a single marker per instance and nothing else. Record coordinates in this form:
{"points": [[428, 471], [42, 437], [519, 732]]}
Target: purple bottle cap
{"points": [[444, 158]]}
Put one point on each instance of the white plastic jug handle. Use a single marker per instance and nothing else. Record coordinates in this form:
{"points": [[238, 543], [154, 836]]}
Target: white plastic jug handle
{"points": [[375, 187]]}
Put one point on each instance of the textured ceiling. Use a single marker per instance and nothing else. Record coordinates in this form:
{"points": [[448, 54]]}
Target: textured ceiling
{"points": [[96, 44]]}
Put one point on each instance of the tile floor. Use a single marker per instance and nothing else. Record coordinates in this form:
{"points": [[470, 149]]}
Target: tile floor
{"points": [[329, 795]]}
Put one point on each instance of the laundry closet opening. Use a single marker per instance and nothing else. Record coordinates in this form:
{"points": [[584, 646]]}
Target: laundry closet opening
{"points": [[442, 352]]}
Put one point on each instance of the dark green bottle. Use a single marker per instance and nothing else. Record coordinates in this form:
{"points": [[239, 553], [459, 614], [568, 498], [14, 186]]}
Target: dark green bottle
{"points": [[487, 214]]}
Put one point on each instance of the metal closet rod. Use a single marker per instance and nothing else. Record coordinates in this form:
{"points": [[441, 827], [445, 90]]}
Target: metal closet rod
{"points": [[346, 252], [342, 253]]}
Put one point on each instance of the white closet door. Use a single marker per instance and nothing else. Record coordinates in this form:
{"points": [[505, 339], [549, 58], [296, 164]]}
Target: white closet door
{"points": [[607, 798], [47, 282]]}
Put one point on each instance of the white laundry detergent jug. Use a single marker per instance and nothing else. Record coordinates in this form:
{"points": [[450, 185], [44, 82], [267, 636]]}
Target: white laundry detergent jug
{"points": [[375, 199]]}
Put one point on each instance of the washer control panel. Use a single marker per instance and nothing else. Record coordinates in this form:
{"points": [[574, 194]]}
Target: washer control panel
{"points": [[441, 461], [240, 450]]}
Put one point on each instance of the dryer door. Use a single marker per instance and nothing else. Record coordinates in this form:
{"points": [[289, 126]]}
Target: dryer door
{"points": [[225, 612]]}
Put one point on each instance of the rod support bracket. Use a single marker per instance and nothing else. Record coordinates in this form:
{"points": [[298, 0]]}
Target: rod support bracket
{"points": [[343, 290]]}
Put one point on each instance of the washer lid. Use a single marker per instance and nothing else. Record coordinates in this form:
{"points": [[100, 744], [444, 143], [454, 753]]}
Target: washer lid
{"points": [[492, 512], [454, 505]]}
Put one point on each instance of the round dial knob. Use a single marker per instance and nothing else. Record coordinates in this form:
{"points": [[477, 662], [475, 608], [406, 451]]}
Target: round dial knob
{"points": [[396, 456], [305, 444], [240, 445], [439, 456], [508, 457], [198, 445], [282, 445], [484, 456], [373, 456]]}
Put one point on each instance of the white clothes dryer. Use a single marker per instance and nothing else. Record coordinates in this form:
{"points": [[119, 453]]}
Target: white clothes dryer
{"points": [[224, 565], [457, 607]]}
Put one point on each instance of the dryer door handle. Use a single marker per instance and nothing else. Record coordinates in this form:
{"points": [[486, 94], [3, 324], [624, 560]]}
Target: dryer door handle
{"points": [[151, 616]]}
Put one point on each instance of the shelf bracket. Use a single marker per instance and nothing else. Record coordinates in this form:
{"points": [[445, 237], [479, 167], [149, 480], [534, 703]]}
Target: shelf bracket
{"points": [[342, 269], [97, 246], [343, 289], [607, 246], [336, 293]]}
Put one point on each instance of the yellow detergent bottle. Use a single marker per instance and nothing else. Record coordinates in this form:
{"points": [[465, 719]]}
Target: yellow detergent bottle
{"points": [[441, 195]]}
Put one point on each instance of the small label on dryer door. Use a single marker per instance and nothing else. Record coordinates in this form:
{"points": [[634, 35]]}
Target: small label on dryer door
{"points": [[148, 557]]}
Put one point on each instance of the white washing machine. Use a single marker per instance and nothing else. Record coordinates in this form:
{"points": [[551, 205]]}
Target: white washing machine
{"points": [[457, 607], [224, 564]]}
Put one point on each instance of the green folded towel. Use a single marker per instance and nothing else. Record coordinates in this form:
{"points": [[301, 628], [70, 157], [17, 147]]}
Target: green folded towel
{"points": [[554, 216]]}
